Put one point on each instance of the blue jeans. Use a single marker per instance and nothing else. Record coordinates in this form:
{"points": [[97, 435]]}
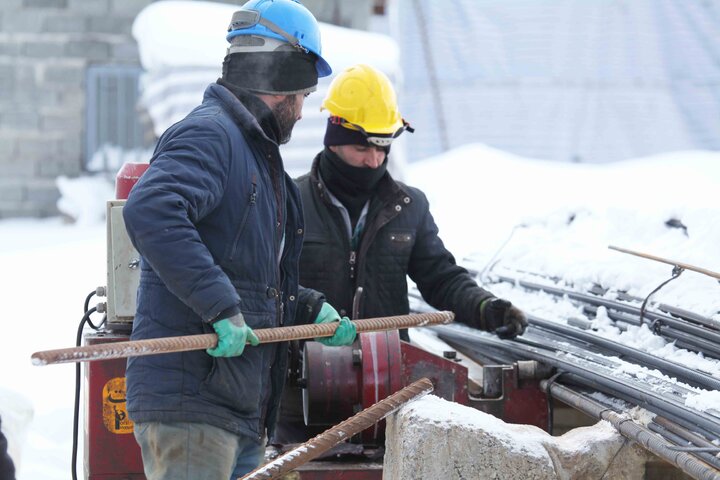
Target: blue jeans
{"points": [[188, 451]]}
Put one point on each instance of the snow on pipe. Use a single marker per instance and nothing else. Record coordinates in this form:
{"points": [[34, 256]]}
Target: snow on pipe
{"points": [[319, 444], [186, 343], [663, 321], [628, 428]]}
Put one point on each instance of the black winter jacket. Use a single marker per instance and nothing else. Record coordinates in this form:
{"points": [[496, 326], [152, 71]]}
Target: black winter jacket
{"points": [[208, 218], [400, 238]]}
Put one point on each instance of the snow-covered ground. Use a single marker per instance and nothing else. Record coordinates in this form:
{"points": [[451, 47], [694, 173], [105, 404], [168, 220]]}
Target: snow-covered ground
{"points": [[478, 196]]}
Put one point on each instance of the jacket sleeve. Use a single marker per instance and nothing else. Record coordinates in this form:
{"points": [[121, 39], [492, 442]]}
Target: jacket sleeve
{"points": [[309, 304], [185, 181], [442, 283]]}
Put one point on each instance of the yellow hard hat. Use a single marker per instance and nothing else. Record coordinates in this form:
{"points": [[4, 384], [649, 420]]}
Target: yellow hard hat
{"points": [[364, 97]]}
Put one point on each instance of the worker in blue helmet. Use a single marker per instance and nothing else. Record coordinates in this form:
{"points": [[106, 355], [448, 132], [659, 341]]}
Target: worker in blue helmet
{"points": [[219, 227]]}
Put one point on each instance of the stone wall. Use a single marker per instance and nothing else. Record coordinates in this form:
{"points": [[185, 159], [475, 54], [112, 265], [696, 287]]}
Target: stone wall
{"points": [[45, 49]]}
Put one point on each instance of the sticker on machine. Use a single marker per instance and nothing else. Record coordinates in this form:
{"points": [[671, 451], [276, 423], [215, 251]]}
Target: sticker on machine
{"points": [[114, 411]]}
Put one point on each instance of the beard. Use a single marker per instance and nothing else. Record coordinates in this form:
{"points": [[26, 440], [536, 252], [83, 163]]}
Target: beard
{"points": [[286, 115]]}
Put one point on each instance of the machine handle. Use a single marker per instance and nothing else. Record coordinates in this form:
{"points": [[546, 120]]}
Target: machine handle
{"points": [[136, 348], [320, 444]]}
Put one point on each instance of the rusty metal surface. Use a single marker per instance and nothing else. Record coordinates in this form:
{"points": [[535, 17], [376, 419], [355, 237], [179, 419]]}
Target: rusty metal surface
{"points": [[341, 432], [209, 340], [448, 376], [332, 384]]}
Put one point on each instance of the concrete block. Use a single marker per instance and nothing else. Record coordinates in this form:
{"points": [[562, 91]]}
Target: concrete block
{"points": [[36, 148], [433, 438], [64, 122], [9, 47], [7, 77], [23, 21], [128, 7], [43, 49], [55, 167], [26, 76], [44, 3], [64, 75], [126, 52], [20, 120], [12, 191], [42, 192], [93, 50], [71, 144], [110, 24], [8, 146], [66, 23], [89, 7], [19, 167]]}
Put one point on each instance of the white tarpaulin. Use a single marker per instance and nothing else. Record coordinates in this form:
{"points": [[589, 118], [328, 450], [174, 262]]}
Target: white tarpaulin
{"points": [[571, 80]]}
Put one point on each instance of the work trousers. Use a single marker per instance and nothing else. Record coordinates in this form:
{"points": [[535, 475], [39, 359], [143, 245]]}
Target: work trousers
{"points": [[190, 451]]}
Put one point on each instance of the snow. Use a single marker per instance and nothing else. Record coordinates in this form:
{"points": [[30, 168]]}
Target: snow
{"points": [[180, 33], [477, 196], [495, 210]]}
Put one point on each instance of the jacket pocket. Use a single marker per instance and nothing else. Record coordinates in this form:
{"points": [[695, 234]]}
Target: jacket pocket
{"points": [[236, 383], [252, 201]]}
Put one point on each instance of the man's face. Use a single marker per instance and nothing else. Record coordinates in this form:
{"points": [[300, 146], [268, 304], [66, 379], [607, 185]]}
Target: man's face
{"points": [[362, 156], [287, 112]]}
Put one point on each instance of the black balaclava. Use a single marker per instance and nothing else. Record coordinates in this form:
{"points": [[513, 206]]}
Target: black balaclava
{"points": [[353, 186]]}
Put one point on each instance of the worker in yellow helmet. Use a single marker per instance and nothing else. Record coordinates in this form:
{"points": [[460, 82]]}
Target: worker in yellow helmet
{"points": [[365, 232]]}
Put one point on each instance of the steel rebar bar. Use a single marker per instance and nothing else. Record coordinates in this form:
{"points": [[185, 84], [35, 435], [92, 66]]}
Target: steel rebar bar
{"points": [[186, 343], [319, 444], [632, 430]]}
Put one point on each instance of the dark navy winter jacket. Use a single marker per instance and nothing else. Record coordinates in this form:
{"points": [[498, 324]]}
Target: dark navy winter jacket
{"points": [[208, 218]]}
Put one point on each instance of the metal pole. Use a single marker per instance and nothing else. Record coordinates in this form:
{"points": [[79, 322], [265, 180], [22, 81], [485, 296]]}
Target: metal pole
{"points": [[685, 266], [316, 446], [186, 343]]}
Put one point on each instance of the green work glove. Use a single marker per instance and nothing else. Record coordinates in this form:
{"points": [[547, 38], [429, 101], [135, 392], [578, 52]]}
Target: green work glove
{"points": [[232, 334], [345, 332]]}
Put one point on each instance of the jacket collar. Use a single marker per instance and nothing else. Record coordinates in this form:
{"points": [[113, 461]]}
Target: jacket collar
{"points": [[239, 112]]}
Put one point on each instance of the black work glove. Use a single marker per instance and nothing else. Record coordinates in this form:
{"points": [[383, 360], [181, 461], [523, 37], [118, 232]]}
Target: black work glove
{"points": [[502, 318]]}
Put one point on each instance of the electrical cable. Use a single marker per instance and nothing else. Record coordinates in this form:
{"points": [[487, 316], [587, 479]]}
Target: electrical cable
{"points": [[76, 407]]}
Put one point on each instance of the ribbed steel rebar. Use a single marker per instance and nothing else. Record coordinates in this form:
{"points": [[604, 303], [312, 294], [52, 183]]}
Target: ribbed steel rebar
{"points": [[682, 445], [186, 343], [711, 335], [340, 432], [628, 428], [586, 372], [681, 372]]}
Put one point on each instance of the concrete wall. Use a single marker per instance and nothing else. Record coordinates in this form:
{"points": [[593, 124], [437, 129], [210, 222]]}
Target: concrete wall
{"points": [[45, 48]]}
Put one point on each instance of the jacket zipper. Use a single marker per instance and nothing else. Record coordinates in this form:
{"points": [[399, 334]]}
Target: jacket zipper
{"points": [[353, 257]]}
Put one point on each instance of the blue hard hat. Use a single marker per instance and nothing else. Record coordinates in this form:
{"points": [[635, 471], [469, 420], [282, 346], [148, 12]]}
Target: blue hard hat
{"points": [[286, 20]]}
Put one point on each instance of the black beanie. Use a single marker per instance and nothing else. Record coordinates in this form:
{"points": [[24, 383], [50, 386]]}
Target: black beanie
{"points": [[274, 73], [336, 134]]}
